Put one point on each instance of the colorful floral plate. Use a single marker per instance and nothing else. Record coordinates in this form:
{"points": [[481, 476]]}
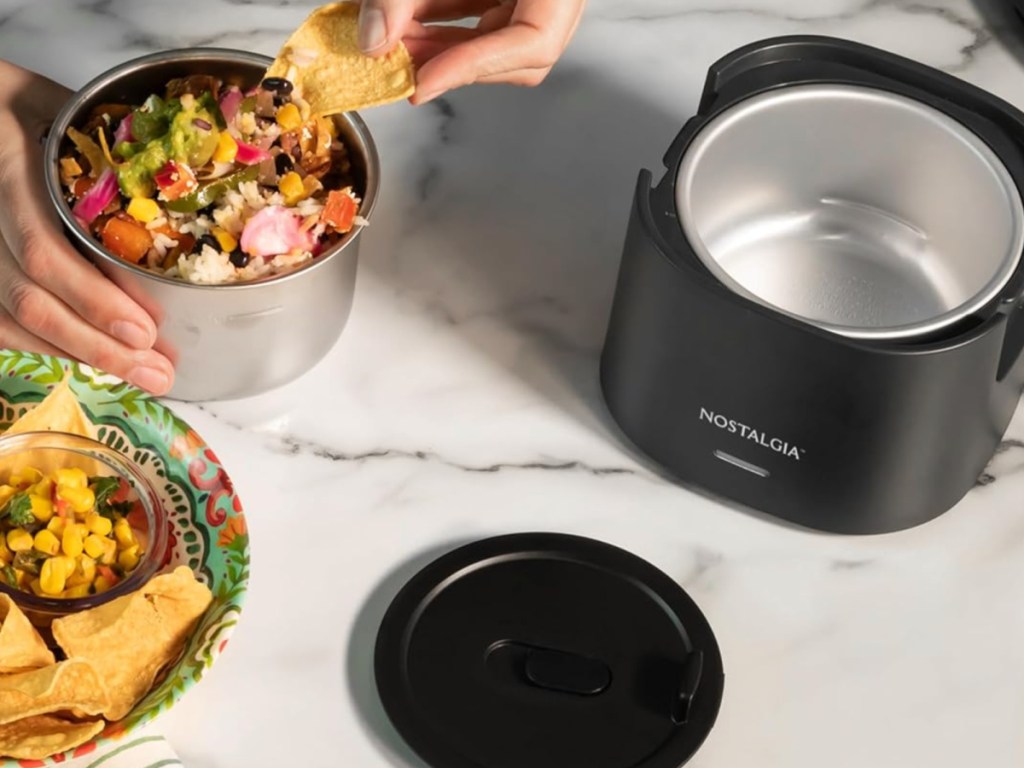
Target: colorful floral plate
{"points": [[208, 531]]}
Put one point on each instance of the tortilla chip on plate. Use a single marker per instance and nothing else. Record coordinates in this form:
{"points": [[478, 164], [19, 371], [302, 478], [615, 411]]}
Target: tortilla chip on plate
{"points": [[179, 599], [21, 646], [323, 60], [59, 411], [39, 736], [71, 684], [131, 639]]}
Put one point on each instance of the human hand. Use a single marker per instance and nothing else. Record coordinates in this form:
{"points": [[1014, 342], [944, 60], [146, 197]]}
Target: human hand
{"points": [[514, 41], [51, 299]]}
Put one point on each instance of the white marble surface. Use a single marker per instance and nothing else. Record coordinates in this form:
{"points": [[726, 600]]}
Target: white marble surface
{"points": [[462, 402]]}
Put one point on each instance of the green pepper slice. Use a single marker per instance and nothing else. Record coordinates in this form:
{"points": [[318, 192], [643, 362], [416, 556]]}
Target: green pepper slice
{"points": [[204, 196]]}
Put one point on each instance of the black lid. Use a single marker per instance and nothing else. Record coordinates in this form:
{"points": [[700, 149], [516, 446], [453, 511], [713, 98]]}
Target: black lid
{"points": [[548, 651]]}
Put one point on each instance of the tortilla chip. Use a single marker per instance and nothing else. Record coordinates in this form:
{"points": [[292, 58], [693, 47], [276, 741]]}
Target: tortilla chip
{"points": [[59, 411], [180, 600], [72, 684], [21, 646], [40, 736], [131, 639], [323, 61]]}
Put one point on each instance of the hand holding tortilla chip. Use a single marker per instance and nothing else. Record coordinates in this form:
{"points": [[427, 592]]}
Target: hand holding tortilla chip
{"points": [[323, 62]]}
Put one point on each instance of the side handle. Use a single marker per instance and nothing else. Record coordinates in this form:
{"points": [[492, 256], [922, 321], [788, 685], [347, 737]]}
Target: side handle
{"points": [[1013, 340]]}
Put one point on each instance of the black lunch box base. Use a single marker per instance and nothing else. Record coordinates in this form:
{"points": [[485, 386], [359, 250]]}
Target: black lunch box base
{"points": [[825, 431]]}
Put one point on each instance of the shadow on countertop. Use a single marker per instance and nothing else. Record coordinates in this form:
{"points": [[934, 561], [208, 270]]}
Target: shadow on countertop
{"points": [[1004, 20], [359, 672], [513, 238]]}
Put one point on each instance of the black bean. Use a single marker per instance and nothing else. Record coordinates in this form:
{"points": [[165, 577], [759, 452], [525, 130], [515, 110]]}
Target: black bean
{"points": [[277, 85], [209, 240], [239, 258], [283, 163]]}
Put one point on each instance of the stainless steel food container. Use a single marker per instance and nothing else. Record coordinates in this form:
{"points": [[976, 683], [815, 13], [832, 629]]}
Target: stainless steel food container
{"points": [[864, 212], [236, 340]]}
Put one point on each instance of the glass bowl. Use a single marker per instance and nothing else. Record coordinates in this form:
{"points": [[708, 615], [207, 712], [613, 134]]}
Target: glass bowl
{"points": [[49, 451]]}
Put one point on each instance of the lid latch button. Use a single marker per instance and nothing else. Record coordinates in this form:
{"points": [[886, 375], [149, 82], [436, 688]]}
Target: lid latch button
{"points": [[566, 672]]}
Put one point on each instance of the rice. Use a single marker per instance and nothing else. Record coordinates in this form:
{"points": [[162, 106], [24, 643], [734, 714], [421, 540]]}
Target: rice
{"points": [[162, 243], [208, 267], [157, 223], [309, 207]]}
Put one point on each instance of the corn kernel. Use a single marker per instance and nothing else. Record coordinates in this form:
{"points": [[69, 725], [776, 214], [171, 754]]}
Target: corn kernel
{"points": [[43, 488], [71, 542], [51, 576], [6, 556], [46, 542], [87, 567], [289, 117], [79, 590], [37, 588], [72, 477], [129, 558], [56, 525], [80, 573], [80, 499], [225, 239], [142, 209], [25, 476], [290, 185], [98, 524], [109, 554], [227, 148], [101, 585], [6, 492], [94, 547], [42, 508], [19, 540], [123, 533]]}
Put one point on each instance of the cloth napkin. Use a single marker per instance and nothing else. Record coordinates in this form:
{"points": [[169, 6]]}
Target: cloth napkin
{"points": [[141, 749]]}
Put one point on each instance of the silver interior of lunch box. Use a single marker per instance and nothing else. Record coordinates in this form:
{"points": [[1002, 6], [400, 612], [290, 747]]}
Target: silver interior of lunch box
{"points": [[863, 212]]}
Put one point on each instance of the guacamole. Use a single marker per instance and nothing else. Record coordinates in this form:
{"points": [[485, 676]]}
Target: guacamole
{"points": [[183, 130]]}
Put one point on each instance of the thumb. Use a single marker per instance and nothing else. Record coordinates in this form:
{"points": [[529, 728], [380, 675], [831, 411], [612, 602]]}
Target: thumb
{"points": [[382, 23]]}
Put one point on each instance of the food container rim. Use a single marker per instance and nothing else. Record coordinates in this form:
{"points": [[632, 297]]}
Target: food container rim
{"points": [[1009, 264]]}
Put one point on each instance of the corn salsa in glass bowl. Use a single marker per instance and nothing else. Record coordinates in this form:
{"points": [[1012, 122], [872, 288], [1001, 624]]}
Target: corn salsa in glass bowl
{"points": [[79, 524]]}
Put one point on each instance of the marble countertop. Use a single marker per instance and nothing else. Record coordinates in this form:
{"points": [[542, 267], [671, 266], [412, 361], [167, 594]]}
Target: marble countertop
{"points": [[462, 401]]}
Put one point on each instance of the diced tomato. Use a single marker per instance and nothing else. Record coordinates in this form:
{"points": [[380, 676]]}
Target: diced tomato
{"points": [[126, 238], [137, 517], [339, 211], [175, 180], [107, 573], [82, 185]]}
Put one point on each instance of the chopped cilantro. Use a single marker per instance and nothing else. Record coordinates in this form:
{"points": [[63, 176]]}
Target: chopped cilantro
{"points": [[29, 561], [103, 488], [18, 509]]}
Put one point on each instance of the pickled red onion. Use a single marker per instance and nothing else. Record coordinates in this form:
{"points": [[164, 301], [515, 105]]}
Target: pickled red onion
{"points": [[230, 102], [124, 129], [273, 231], [99, 196], [250, 155]]}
